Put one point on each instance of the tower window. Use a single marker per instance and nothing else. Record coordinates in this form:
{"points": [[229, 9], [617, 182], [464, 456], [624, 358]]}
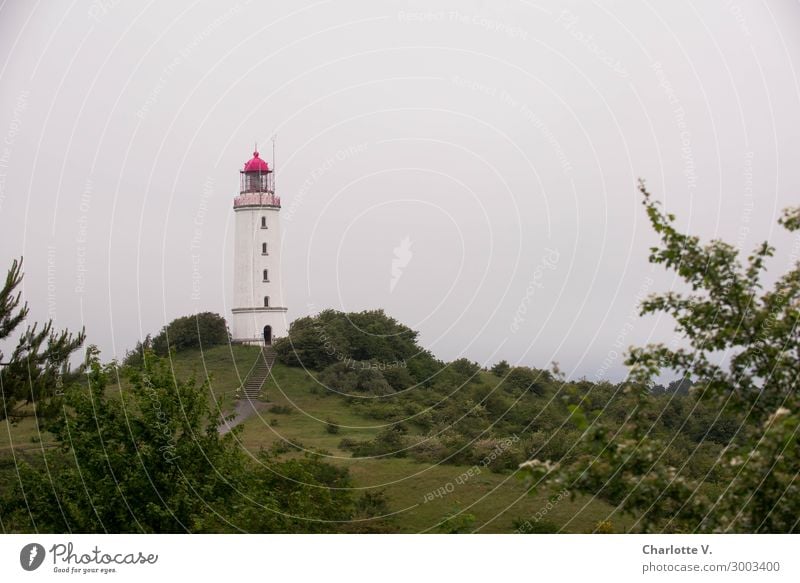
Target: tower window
{"points": [[266, 301], [266, 275], [263, 222], [264, 249]]}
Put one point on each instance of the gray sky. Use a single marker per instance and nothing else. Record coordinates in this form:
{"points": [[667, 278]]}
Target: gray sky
{"points": [[489, 149]]}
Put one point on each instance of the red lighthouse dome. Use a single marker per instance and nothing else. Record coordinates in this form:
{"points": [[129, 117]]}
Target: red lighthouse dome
{"points": [[256, 176], [256, 164]]}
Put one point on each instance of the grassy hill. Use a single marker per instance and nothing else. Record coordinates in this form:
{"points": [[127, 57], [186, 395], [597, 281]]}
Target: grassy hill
{"points": [[298, 416]]}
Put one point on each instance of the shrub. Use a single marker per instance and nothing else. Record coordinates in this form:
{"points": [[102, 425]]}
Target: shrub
{"points": [[372, 381], [522, 378], [282, 409], [372, 514], [319, 341], [357, 377], [398, 377], [198, 331], [390, 441], [430, 450], [340, 378], [501, 368], [348, 443], [466, 368], [457, 522]]}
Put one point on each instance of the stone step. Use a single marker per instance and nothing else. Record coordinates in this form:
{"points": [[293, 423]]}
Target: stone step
{"points": [[251, 388]]}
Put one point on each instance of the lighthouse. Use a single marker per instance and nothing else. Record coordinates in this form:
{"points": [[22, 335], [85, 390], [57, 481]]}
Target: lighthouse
{"points": [[259, 314]]}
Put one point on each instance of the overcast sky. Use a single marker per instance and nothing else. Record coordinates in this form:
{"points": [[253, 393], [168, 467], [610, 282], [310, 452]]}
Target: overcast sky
{"points": [[468, 166]]}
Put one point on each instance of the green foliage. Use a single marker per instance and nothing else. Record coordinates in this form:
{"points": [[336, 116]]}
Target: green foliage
{"points": [[749, 401], [679, 387], [201, 330], [296, 495], [525, 379], [372, 514], [431, 431], [398, 377], [391, 441], [457, 522], [354, 377], [38, 368], [281, 410], [501, 368], [466, 368], [135, 357], [152, 460], [332, 337]]}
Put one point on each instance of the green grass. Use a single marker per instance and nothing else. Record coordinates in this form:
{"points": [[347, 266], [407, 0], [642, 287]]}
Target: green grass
{"points": [[24, 435], [311, 407], [493, 499], [224, 367]]}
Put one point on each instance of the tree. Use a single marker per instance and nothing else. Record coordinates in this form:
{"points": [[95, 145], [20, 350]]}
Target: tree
{"points": [[466, 368], [197, 331], [726, 312], [501, 368], [135, 357], [679, 387], [38, 367], [330, 337], [524, 379]]}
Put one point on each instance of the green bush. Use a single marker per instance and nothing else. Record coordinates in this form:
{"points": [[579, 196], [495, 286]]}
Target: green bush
{"points": [[398, 377], [348, 443], [522, 378], [331, 337], [466, 368], [390, 441], [201, 330], [355, 377], [501, 368], [282, 410]]}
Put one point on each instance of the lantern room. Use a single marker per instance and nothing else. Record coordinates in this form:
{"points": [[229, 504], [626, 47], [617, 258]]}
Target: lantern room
{"points": [[256, 176]]}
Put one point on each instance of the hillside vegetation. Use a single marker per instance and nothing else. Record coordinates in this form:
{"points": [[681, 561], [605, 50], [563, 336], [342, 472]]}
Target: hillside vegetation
{"points": [[304, 417], [424, 446], [360, 429]]}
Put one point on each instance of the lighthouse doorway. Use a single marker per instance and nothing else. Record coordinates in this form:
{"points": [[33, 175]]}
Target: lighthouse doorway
{"points": [[267, 335]]}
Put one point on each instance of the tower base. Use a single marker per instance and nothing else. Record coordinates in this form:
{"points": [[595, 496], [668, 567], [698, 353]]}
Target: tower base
{"points": [[258, 326]]}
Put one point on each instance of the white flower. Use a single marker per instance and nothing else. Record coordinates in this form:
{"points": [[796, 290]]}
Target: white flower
{"points": [[538, 465], [780, 412]]}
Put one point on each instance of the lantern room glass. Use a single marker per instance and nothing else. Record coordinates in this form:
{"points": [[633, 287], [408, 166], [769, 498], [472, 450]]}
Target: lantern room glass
{"points": [[256, 182]]}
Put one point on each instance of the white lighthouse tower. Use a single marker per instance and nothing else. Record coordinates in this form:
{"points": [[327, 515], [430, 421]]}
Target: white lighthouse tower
{"points": [[259, 314]]}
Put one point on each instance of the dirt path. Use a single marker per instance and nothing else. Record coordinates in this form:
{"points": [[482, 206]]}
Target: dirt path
{"points": [[243, 411]]}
